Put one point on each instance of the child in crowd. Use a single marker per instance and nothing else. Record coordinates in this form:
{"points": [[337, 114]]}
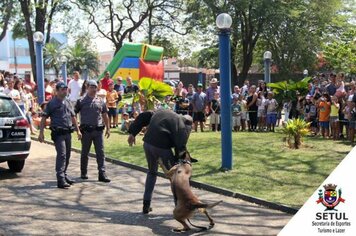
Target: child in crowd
{"points": [[271, 106], [243, 105], [324, 106], [101, 92], [310, 112], [126, 122], [287, 106], [215, 112], [334, 117], [111, 100], [261, 112], [29, 106], [236, 114]]}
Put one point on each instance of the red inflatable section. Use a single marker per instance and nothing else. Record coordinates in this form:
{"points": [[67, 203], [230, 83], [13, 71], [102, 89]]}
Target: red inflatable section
{"points": [[151, 69]]}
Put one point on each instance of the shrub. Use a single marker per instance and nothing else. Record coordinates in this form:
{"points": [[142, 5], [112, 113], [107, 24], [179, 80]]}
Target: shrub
{"points": [[296, 129]]}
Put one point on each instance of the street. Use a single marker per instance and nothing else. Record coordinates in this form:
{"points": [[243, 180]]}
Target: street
{"points": [[31, 204]]}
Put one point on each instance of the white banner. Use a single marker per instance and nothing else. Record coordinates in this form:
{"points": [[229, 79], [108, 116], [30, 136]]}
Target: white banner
{"points": [[331, 210]]}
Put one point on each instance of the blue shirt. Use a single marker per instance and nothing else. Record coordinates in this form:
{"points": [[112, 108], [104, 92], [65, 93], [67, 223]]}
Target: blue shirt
{"points": [[61, 113]]}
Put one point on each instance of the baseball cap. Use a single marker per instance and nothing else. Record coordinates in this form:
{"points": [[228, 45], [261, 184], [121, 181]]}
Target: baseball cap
{"points": [[92, 83], [200, 85], [61, 85]]}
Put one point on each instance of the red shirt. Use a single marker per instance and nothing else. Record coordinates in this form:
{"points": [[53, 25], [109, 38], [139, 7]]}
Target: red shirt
{"points": [[105, 83]]}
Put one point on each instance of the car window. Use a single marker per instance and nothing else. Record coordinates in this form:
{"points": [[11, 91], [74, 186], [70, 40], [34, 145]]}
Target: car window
{"points": [[8, 108]]}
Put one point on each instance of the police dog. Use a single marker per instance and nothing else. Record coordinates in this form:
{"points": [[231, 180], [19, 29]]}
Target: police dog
{"points": [[186, 202]]}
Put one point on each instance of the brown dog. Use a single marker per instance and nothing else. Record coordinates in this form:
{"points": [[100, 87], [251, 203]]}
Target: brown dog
{"points": [[187, 202]]}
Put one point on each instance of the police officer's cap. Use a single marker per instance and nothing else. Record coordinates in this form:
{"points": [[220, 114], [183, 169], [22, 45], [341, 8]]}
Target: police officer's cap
{"points": [[61, 85], [92, 83]]}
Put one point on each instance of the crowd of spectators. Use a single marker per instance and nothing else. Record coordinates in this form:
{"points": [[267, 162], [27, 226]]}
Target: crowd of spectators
{"points": [[329, 104]]}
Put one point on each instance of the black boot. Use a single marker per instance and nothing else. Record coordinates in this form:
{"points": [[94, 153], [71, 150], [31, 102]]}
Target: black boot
{"points": [[62, 184], [146, 207], [84, 175], [69, 180], [103, 178]]}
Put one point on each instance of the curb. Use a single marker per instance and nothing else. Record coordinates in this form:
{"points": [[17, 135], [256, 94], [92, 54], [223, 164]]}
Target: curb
{"points": [[196, 184]]}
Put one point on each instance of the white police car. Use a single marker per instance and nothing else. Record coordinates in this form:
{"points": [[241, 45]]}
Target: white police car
{"points": [[15, 140]]}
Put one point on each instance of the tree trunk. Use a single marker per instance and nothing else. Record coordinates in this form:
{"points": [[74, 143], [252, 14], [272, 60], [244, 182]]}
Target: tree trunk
{"points": [[26, 14]]}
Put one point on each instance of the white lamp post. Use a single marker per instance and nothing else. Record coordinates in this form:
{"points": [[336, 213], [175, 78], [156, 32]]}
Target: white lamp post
{"points": [[64, 68], [267, 57]]}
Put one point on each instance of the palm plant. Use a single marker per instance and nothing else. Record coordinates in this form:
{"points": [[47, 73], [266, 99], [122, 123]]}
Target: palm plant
{"points": [[296, 129], [288, 89], [51, 56], [151, 91], [81, 54]]}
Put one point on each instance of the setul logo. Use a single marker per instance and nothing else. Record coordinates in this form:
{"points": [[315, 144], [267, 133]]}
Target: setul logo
{"points": [[330, 198]]}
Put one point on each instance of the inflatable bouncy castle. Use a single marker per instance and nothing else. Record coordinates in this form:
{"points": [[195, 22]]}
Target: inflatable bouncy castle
{"points": [[137, 60]]}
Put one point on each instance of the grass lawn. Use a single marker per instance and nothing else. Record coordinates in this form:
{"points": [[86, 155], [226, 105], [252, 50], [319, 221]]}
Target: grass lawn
{"points": [[262, 164]]}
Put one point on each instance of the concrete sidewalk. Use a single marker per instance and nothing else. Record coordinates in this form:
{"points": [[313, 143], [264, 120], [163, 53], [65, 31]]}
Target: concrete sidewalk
{"points": [[31, 204]]}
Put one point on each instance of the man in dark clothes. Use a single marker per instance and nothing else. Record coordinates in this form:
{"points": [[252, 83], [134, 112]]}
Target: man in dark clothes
{"points": [[166, 130]]}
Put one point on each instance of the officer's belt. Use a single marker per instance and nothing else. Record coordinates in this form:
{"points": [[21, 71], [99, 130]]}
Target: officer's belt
{"points": [[91, 128], [61, 130]]}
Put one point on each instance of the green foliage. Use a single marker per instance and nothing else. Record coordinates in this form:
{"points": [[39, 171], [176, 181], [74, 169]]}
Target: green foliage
{"points": [[340, 55], [170, 50], [151, 91], [208, 57], [296, 129], [51, 54], [7, 11], [81, 54], [289, 89]]}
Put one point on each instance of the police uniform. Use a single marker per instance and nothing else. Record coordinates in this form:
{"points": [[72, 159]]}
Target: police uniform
{"points": [[61, 113], [92, 127], [166, 130]]}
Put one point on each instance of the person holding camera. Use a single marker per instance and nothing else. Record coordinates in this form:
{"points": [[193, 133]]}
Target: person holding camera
{"points": [[60, 110], [93, 120]]}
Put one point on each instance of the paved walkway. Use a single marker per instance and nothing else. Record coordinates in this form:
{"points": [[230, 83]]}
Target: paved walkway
{"points": [[31, 204]]}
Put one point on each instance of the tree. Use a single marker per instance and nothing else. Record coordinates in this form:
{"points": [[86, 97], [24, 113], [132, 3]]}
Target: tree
{"points": [[249, 19], [297, 32], [41, 12], [170, 49], [120, 22], [81, 54], [207, 57], [52, 57], [6, 11], [340, 54]]}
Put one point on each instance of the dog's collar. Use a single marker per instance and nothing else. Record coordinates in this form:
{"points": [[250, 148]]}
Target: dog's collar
{"points": [[185, 162]]}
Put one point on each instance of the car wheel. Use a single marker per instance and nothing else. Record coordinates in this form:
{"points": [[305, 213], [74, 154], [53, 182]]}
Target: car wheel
{"points": [[16, 166]]}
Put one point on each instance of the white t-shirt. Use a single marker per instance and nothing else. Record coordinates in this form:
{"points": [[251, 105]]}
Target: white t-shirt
{"points": [[12, 93], [75, 87], [102, 93]]}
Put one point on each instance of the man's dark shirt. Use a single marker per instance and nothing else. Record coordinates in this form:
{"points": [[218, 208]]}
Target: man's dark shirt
{"points": [[166, 130]]}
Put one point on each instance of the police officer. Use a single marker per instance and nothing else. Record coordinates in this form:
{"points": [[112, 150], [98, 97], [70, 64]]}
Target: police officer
{"points": [[93, 120], [62, 115], [166, 130]]}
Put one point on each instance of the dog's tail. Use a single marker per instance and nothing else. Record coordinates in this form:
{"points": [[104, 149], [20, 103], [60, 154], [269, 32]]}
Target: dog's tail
{"points": [[205, 205]]}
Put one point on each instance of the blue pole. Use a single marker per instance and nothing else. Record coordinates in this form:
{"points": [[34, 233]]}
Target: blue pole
{"points": [[225, 95], [267, 65], [40, 72], [64, 72]]}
